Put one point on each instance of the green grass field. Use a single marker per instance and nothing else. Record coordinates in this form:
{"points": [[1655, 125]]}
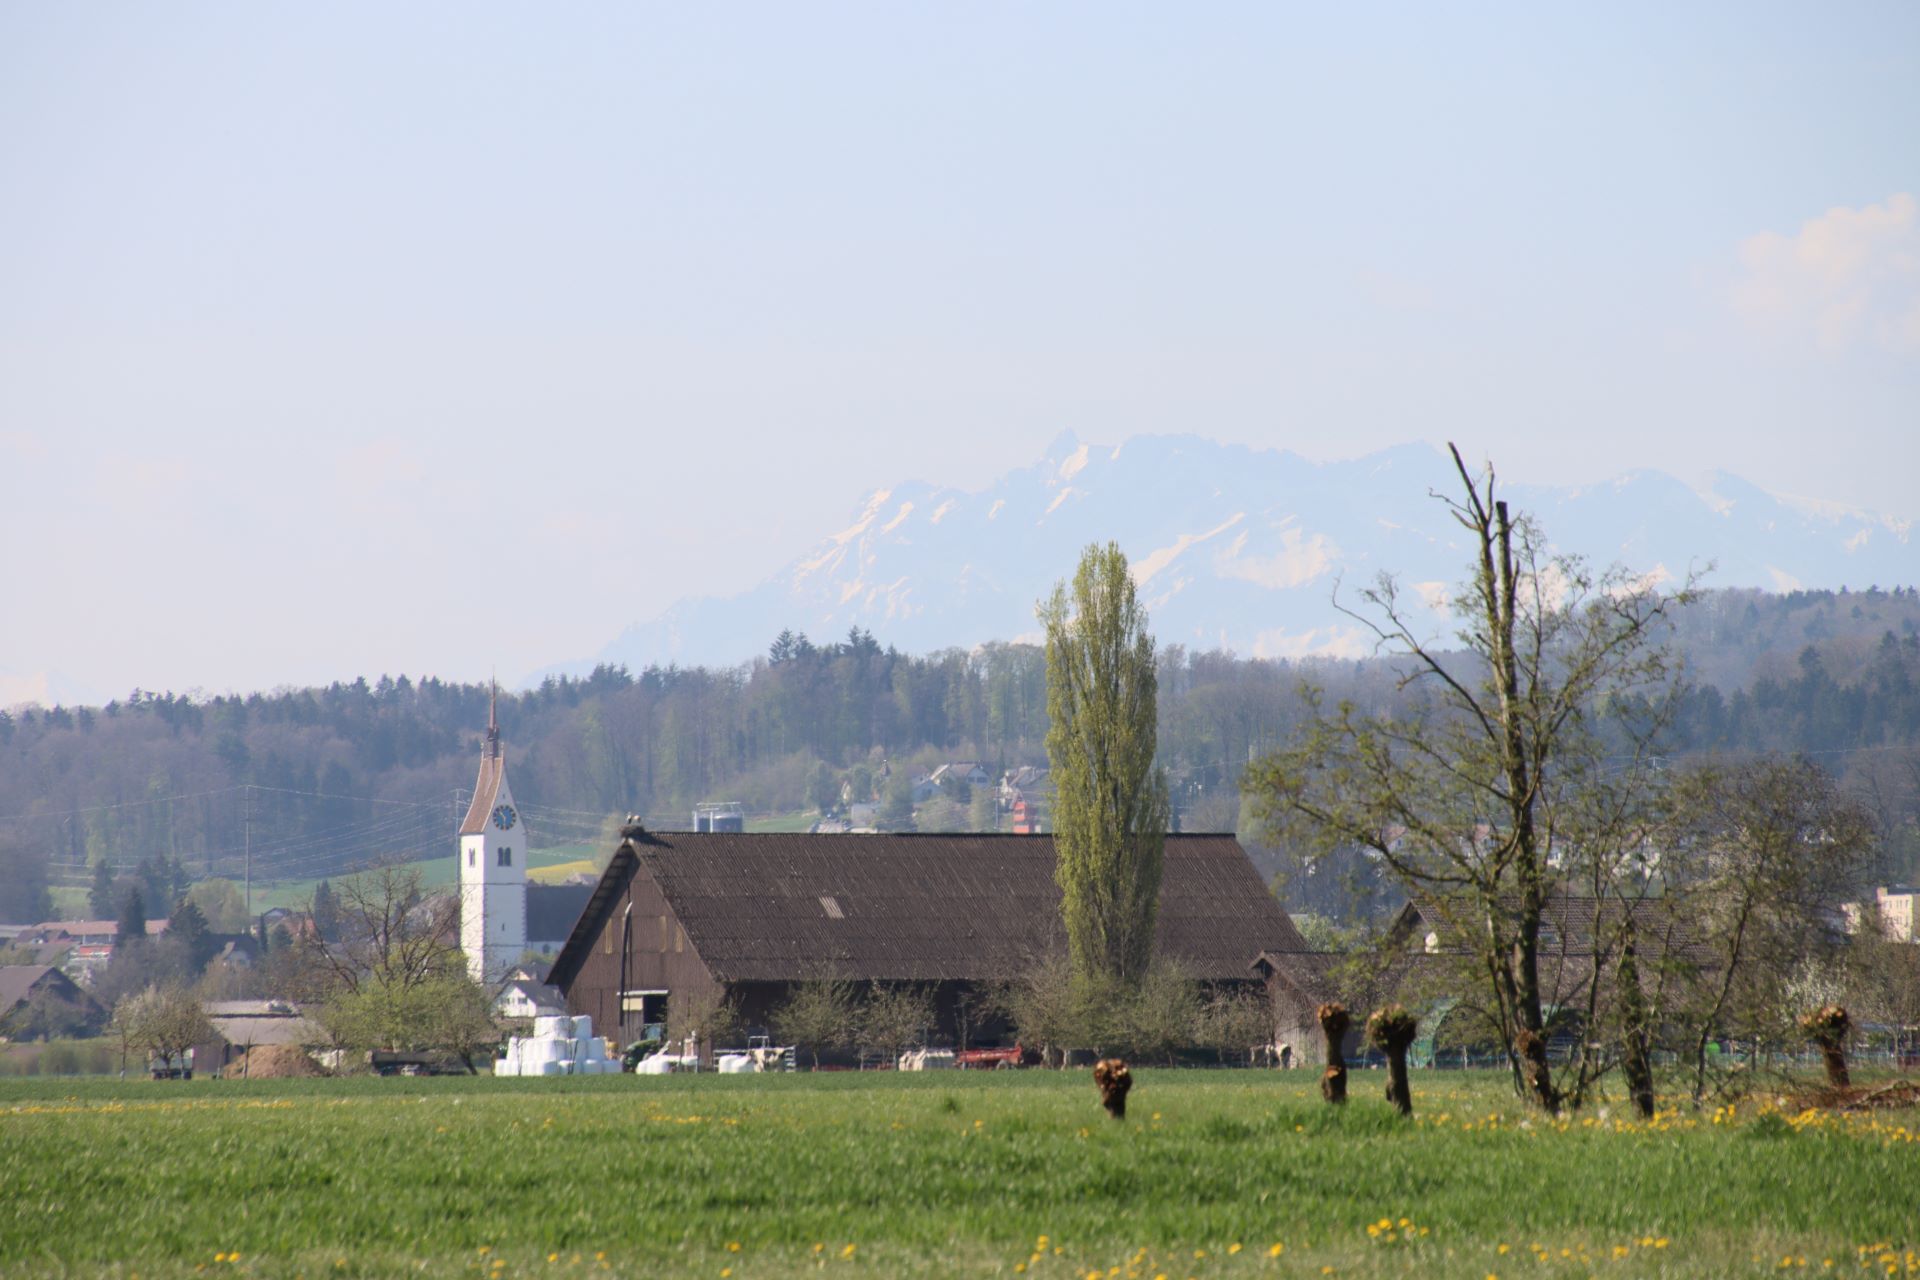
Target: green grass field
{"points": [[435, 873], [1225, 1173]]}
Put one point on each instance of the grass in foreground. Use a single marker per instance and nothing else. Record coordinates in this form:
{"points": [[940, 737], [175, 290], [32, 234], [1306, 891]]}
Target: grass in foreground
{"points": [[1215, 1174]]}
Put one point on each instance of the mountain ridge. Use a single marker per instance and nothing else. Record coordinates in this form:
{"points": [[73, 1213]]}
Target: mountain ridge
{"points": [[1239, 548]]}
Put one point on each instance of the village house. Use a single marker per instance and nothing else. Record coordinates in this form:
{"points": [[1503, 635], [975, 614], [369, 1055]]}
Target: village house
{"points": [[39, 1000], [1898, 909], [81, 948], [691, 917], [525, 998], [1425, 961]]}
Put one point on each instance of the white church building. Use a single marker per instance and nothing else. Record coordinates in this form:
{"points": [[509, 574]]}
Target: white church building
{"points": [[493, 868]]}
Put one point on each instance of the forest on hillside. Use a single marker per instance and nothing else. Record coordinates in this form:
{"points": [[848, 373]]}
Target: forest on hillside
{"points": [[300, 783]]}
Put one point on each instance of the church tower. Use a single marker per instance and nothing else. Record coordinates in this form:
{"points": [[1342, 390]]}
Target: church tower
{"points": [[493, 867]]}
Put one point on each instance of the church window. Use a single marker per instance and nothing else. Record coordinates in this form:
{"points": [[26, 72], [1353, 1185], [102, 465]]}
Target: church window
{"points": [[473, 857], [506, 856]]}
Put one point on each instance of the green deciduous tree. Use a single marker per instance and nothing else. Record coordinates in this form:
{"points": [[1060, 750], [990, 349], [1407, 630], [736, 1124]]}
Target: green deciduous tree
{"points": [[896, 811], [162, 1022], [1110, 802], [818, 1014], [222, 903], [1761, 854], [895, 1018], [823, 789]]}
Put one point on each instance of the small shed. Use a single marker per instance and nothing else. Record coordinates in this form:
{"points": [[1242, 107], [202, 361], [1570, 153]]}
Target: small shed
{"points": [[240, 1026]]}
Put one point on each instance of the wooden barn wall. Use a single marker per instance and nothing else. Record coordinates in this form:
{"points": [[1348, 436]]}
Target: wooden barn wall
{"points": [[657, 957]]}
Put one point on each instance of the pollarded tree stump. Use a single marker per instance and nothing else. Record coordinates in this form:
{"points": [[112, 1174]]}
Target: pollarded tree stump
{"points": [[1334, 1021], [1111, 1077], [1828, 1027], [1391, 1030]]}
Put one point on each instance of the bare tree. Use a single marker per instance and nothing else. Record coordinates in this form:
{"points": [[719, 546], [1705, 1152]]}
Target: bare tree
{"points": [[391, 932], [394, 976], [1501, 776]]}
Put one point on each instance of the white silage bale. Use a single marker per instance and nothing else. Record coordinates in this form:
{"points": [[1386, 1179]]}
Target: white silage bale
{"points": [[582, 1025]]}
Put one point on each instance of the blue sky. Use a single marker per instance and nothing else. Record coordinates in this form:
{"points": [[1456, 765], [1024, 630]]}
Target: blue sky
{"points": [[353, 338]]}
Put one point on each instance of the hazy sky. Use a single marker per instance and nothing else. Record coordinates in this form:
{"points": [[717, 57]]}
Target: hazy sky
{"points": [[341, 339]]}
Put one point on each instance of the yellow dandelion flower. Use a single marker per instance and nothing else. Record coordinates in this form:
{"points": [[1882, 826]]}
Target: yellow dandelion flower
{"points": [[1660, 1242], [1234, 1247], [733, 1246], [725, 1272], [847, 1252], [1276, 1249], [553, 1257]]}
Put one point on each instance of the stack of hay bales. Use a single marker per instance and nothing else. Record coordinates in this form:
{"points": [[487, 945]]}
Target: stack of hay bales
{"points": [[559, 1046]]}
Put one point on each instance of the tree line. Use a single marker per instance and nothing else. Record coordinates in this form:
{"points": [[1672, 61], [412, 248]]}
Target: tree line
{"points": [[311, 781]]}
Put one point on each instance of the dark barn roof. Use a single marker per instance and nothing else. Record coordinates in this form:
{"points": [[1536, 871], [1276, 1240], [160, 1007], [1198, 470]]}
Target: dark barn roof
{"points": [[776, 907]]}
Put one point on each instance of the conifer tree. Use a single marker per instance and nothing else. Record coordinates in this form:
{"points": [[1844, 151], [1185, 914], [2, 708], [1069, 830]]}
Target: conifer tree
{"points": [[325, 910], [100, 896], [1110, 802], [133, 917]]}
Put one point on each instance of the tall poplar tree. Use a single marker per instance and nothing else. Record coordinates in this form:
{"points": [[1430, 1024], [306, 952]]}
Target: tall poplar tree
{"points": [[1110, 802]]}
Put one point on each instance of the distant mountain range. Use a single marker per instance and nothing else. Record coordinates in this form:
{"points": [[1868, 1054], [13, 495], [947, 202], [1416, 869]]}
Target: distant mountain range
{"points": [[1240, 549]]}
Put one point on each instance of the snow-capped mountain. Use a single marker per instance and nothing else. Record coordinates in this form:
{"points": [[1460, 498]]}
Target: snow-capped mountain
{"points": [[1240, 548]]}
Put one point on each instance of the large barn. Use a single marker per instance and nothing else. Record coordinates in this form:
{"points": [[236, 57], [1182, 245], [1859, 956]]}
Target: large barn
{"points": [[684, 917]]}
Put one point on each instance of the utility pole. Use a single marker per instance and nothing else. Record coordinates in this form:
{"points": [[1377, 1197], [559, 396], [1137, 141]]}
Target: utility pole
{"points": [[246, 842]]}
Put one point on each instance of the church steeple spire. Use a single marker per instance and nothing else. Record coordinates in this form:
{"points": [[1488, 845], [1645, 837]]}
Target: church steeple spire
{"points": [[493, 722]]}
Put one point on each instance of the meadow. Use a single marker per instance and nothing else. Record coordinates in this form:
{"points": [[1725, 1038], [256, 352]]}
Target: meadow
{"points": [[1214, 1174]]}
